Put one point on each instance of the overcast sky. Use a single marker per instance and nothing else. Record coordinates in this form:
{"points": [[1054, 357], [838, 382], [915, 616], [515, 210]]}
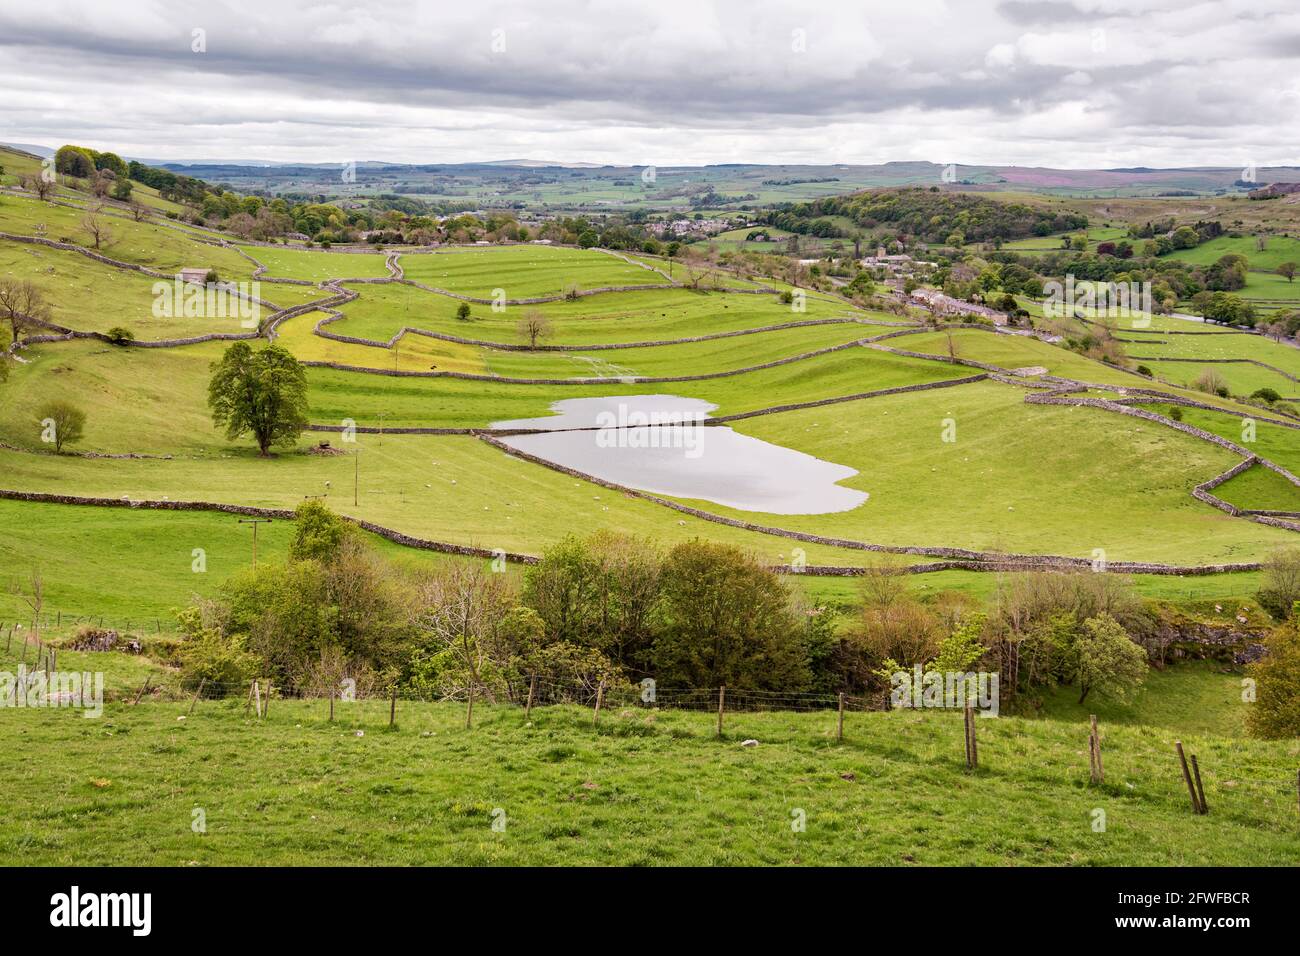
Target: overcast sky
{"points": [[1088, 83]]}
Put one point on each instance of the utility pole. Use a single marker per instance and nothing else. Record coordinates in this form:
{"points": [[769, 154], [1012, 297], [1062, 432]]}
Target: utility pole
{"points": [[254, 522]]}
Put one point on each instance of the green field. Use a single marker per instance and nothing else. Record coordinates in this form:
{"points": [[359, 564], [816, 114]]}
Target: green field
{"points": [[1277, 250], [285, 263], [1130, 498], [965, 466], [644, 787], [613, 317], [523, 271]]}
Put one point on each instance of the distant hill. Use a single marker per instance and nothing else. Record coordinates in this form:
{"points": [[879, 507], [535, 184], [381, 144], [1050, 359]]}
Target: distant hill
{"points": [[30, 148]]}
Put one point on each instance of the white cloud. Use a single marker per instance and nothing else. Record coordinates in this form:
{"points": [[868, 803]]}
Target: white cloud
{"points": [[681, 81]]}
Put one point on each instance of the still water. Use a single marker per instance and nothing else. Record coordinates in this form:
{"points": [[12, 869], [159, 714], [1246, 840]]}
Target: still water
{"points": [[656, 443]]}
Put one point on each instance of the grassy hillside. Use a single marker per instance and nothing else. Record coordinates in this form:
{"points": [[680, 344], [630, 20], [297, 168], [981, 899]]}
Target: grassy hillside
{"points": [[644, 787], [1122, 486]]}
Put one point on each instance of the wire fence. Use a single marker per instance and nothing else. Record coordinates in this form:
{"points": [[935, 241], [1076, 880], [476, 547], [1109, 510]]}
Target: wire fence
{"points": [[1134, 756], [1247, 781], [57, 619]]}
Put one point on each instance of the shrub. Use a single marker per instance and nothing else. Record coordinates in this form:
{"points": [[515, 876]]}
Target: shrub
{"points": [[318, 532], [118, 335], [1275, 714], [599, 592], [1210, 382], [207, 656], [727, 619], [1144, 370], [1108, 660], [462, 311], [1281, 585], [1175, 413], [61, 423], [1266, 394]]}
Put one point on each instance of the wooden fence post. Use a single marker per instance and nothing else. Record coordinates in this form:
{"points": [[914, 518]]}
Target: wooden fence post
{"points": [[248, 704], [392, 707], [972, 748], [196, 696], [722, 703], [600, 697], [469, 710], [1096, 773], [140, 693], [257, 698], [1187, 777], [839, 730], [532, 687], [1200, 790], [331, 703]]}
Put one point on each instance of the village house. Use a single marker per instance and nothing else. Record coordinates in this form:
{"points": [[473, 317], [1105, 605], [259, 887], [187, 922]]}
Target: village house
{"points": [[941, 304], [899, 262]]}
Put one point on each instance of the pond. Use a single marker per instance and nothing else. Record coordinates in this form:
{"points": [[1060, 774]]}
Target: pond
{"points": [[658, 444]]}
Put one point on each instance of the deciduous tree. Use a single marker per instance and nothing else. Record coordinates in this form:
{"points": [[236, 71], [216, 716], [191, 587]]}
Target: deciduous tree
{"points": [[533, 327], [22, 304], [263, 393], [62, 423]]}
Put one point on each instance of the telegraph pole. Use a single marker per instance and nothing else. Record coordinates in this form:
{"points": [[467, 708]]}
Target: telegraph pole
{"points": [[254, 522]]}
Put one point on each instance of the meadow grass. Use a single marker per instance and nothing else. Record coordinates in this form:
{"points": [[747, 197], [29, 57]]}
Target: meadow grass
{"points": [[375, 400], [612, 317], [1240, 378], [1014, 351], [139, 565], [522, 271], [1111, 482], [454, 489], [155, 401], [92, 297], [1257, 347], [283, 262], [144, 243], [1277, 250], [1274, 442], [1261, 489], [413, 353], [644, 787]]}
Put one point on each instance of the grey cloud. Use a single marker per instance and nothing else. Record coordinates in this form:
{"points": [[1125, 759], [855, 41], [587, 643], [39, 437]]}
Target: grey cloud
{"points": [[701, 71]]}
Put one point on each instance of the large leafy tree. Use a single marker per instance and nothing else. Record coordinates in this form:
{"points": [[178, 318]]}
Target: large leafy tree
{"points": [[259, 392], [727, 620]]}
